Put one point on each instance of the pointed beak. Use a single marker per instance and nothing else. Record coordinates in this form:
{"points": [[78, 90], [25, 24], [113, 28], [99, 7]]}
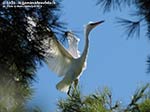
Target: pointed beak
{"points": [[99, 22]]}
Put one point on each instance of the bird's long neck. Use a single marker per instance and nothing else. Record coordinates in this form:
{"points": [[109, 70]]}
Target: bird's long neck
{"points": [[85, 51]]}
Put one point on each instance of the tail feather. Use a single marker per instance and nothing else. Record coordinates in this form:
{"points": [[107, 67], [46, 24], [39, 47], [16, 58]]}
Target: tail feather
{"points": [[63, 86]]}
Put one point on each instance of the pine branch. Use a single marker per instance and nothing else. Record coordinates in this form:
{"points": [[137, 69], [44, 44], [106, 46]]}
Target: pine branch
{"points": [[132, 28], [139, 94], [107, 5], [21, 43]]}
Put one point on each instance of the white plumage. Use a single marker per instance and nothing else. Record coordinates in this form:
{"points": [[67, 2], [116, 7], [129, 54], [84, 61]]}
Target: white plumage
{"points": [[68, 63], [73, 44]]}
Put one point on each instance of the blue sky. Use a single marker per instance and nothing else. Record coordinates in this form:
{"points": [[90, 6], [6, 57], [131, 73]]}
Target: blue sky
{"points": [[113, 61]]}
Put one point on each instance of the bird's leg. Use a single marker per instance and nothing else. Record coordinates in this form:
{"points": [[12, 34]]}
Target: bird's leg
{"points": [[75, 84], [75, 87], [68, 93]]}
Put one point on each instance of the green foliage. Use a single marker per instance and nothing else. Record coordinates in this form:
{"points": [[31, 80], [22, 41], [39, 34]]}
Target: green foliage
{"points": [[97, 102], [93, 104], [145, 106], [72, 104], [22, 51], [14, 95], [140, 93], [21, 44], [102, 101]]}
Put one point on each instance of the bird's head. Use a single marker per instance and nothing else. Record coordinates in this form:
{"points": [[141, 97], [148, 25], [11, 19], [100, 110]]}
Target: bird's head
{"points": [[92, 25]]}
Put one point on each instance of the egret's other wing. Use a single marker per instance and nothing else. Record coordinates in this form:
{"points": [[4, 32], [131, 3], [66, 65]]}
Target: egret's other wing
{"points": [[57, 58], [73, 44]]}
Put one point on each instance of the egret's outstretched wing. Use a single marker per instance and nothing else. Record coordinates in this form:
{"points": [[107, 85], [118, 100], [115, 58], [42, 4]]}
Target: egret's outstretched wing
{"points": [[57, 58], [73, 44]]}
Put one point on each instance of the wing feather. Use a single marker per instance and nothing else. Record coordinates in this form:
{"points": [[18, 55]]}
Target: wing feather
{"points": [[58, 58], [73, 45]]}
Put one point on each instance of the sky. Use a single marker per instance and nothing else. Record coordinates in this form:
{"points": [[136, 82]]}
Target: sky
{"points": [[113, 60]]}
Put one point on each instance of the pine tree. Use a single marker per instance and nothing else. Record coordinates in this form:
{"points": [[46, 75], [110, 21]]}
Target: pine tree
{"points": [[141, 12], [21, 49], [102, 101]]}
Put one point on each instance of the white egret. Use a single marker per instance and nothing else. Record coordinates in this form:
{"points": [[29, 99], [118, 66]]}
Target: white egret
{"points": [[68, 63]]}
